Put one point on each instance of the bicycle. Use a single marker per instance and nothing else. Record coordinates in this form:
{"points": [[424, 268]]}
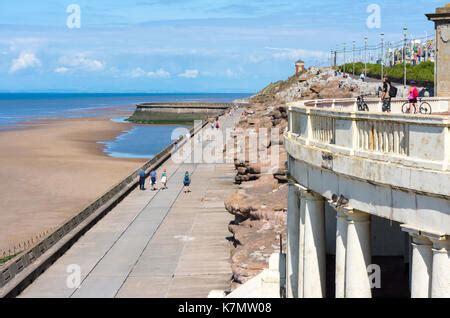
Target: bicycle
{"points": [[424, 107], [362, 106]]}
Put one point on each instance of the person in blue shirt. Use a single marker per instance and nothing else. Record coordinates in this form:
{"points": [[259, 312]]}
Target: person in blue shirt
{"points": [[141, 179], [153, 177], [186, 182]]}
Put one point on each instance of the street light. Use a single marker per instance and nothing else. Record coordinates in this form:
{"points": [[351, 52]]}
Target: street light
{"points": [[354, 44], [382, 56], [405, 34], [345, 60], [365, 56]]}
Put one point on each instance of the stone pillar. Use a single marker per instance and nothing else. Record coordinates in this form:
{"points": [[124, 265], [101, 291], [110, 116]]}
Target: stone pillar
{"points": [[314, 253], [301, 245], [358, 256], [293, 222], [422, 257], [441, 18], [440, 281], [341, 248]]}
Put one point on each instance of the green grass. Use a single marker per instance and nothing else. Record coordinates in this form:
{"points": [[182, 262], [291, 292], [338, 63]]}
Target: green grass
{"points": [[7, 258], [421, 72], [154, 118]]}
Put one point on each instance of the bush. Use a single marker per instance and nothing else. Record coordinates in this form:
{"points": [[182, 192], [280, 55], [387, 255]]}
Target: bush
{"points": [[421, 72]]}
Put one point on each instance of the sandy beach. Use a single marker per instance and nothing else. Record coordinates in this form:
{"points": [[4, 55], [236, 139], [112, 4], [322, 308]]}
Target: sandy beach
{"points": [[50, 170]]}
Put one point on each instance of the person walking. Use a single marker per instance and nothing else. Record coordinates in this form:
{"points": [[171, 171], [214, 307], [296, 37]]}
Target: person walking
{"points": [[141, 174], [164, 179], [217, 123], [362, 77], [386, 95], [153, 177], [186, 182]]}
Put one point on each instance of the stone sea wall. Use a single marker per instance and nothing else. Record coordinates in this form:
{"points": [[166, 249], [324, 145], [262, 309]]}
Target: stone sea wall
{"points": [[176, 113]]}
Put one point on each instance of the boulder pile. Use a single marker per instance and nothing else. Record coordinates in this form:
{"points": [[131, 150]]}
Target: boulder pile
{"points": [[260, 205]]}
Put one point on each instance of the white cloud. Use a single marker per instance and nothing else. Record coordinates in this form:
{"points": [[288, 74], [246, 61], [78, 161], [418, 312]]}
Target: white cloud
{"points": [[295, 54], [24, 61], [61, 70], [190, 74], [139, 72], [81, 62]]}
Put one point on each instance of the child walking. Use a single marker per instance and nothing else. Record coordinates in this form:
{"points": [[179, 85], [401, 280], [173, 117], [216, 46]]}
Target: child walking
{"points": [[187, 182]]}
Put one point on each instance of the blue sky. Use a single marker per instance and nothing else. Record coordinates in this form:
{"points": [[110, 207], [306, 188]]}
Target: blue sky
{"points": [[184, 45]]}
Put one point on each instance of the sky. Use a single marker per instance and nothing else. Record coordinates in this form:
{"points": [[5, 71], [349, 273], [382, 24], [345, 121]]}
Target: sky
{"points": [[186, 45]]}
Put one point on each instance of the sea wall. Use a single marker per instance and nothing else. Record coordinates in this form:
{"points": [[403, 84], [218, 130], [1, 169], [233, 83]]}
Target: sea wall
{"points": [[22, 270], [176, 113]]}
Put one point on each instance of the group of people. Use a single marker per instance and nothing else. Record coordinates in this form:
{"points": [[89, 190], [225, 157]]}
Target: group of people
{"points": [[153, 180], [389, 91]]}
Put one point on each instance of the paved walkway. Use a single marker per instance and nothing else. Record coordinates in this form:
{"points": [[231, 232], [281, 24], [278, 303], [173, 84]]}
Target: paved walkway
{"points": [[154, 244]]}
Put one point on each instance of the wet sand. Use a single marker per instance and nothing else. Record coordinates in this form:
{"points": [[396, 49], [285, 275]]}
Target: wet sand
{"points": [[50, 171]]}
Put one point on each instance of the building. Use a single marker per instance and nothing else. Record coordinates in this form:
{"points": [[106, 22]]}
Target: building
{"points": [[369, 199], [392, 218], [299, 67], [441, 18]]}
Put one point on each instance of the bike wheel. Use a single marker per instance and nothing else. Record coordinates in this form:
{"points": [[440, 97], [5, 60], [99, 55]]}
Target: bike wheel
{"points": [[405, 106], [425, 108]]}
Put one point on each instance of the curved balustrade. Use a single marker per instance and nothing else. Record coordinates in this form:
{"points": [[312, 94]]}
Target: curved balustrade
{"points": [[391, 144], [438, 104]]}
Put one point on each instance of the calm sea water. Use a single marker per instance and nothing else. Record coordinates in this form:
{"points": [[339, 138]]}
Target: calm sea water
{"points": [[138, 142]]}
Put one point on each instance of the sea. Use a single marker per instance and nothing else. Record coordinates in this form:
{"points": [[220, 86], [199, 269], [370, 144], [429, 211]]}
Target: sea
{"points": [[140, 141]]}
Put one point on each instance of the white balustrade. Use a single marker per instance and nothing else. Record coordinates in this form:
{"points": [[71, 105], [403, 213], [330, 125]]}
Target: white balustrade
{"points": [[412, 140]]}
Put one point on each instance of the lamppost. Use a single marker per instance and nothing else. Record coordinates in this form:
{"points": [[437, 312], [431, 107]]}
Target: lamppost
{"points": [[405, 34], [354, 45], [337, 49], [365, 56], [345, 59], [382, 56]]}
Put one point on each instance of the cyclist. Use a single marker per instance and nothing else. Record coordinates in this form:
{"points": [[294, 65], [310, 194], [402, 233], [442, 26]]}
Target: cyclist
{"points": [[386, 95], [412, 97]]}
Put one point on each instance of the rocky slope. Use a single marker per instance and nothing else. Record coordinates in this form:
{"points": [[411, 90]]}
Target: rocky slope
{"points": [[260, 204]]}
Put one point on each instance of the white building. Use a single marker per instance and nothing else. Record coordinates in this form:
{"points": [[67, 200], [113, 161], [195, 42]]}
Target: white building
{"points": [[392, 237]]}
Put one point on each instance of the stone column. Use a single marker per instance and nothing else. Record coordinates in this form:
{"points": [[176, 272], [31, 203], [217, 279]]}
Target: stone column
{"points": [[358, 256], [421, 266], [293, 221], [341, 247], [301, 245], [441, 19], [314, 254], [440, 281]]}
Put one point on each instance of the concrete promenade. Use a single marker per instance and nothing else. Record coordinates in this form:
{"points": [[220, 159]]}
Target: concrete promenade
{"points": [[161, 243]]}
